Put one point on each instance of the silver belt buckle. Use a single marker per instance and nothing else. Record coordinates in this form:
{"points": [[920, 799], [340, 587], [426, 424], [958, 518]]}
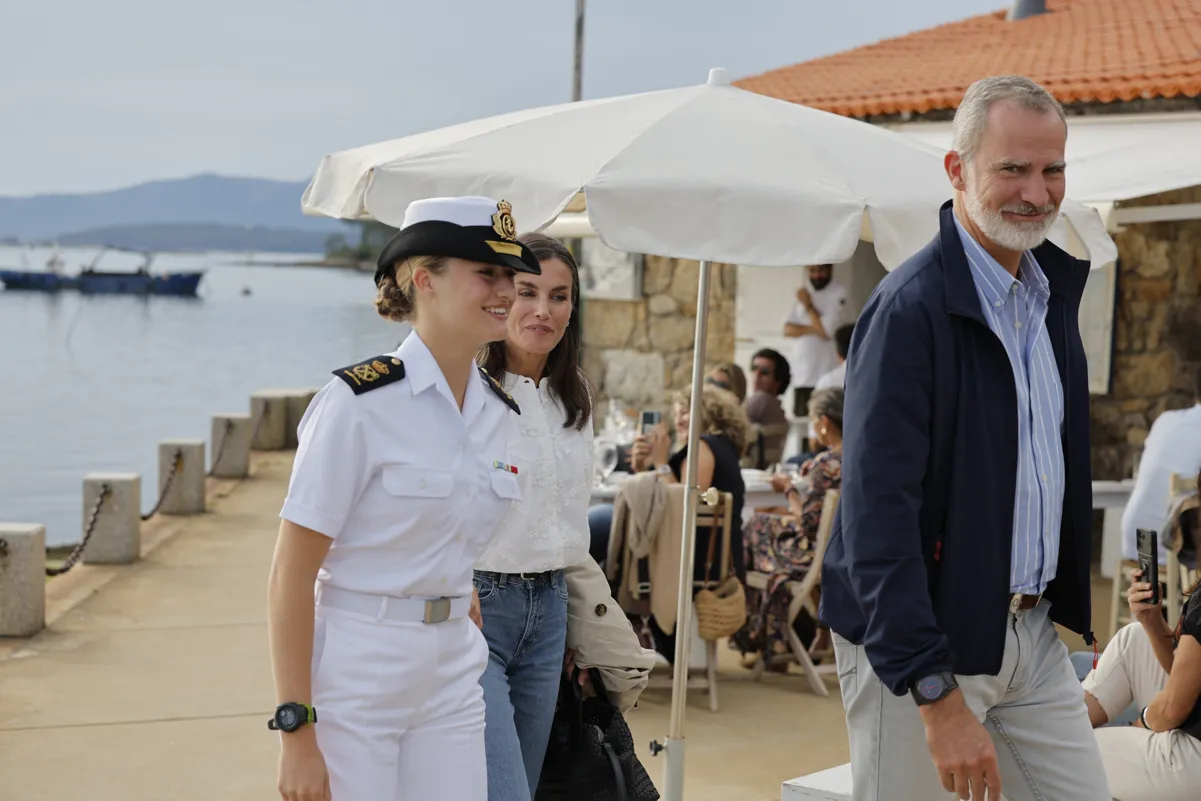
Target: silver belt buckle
{"points": [[1015, 603], [437, 610]]}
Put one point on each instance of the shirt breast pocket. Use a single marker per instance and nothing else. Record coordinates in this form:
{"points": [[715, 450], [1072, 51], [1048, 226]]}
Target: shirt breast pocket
{"points": [[411, 481], [506, 486]]}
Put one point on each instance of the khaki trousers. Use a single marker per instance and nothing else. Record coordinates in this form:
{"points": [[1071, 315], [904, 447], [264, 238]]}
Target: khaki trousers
{"points": [[1034, 711], [1140, 764]]}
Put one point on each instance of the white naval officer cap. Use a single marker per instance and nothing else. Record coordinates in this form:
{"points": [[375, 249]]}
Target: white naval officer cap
{"points": [[474, 228]]}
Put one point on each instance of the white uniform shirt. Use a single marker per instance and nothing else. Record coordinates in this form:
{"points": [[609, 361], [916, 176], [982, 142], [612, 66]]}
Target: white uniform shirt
{"points": [[548, 528], [811, 355], [1172, 446], [410, 489]]}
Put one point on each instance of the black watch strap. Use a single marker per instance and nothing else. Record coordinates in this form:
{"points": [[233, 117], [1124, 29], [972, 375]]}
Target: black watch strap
{"points": [[933, 688]]}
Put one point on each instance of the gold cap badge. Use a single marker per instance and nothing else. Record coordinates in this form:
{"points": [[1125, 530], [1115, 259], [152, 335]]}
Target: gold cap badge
{"points": [[502, 221]]}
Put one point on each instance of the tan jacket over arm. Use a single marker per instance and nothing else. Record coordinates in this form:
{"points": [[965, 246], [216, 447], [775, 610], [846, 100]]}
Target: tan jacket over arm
{"points": [[601, 636]]}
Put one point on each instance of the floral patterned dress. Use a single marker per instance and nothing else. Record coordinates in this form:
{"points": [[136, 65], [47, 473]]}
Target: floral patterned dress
{"points": [[782, 547]]}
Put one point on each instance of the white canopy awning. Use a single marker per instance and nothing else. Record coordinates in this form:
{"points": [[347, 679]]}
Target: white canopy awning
{"points": [[1112, 158]]}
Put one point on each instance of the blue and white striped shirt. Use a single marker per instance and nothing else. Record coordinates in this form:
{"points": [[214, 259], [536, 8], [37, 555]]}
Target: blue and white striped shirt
{"points": [[1016, 311]]}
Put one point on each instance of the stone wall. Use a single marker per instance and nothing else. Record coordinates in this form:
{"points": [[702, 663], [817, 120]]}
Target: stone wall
{"points": [[1157, 334], [640, 351]]}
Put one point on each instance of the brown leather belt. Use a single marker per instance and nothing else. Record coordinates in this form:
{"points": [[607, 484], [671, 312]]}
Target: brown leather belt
{"points": [[1022, 603]]}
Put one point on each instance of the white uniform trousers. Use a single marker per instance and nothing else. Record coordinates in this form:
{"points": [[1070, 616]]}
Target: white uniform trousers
{"points": [[400, 711]]}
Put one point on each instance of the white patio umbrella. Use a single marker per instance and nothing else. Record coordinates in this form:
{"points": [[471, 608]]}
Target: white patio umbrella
{"points": [[709, 172]]}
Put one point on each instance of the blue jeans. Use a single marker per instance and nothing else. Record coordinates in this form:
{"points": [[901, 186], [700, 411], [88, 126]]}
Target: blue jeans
{"points": [[525, 625]]}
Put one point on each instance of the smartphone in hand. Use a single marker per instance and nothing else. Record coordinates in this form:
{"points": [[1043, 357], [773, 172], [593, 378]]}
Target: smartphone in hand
{"points": [[1148, 559], [649, 420]]}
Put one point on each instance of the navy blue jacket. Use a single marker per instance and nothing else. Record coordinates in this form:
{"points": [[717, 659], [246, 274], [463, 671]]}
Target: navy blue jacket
{"points": [[917, 569]]}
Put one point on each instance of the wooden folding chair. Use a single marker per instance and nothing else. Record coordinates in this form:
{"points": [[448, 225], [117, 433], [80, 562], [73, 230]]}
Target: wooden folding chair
{"points": [[801, 598], [719, 514]]}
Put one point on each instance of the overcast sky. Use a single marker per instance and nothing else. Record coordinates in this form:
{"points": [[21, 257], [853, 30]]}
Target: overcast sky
{"points": [[98, 94]]}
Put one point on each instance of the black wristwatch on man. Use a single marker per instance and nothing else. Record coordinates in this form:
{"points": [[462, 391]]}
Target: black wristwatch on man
{"points": [[933, 688]]}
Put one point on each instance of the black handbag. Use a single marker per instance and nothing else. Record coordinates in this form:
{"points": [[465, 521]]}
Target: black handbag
{"points": [[590, 755]]}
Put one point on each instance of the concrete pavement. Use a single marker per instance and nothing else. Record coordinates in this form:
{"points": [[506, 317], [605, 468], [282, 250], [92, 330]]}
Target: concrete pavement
{"points": [[152, 681]]}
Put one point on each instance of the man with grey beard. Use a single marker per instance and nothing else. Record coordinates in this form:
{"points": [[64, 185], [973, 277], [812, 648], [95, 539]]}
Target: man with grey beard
{"points": [[964, 531]]}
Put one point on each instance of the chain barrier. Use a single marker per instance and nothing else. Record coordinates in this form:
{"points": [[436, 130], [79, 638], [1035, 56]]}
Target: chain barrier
{"points": [[229, 425], [175, 465], [75, 554], [258, 426]]}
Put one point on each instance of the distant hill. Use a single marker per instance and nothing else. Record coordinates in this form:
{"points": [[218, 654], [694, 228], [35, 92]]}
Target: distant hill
{"points": [[201, 236], [210, 199]]}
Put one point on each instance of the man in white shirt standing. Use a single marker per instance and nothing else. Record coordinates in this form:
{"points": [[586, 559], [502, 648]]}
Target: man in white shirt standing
{"points": [[819, 310], [1172, 446]]}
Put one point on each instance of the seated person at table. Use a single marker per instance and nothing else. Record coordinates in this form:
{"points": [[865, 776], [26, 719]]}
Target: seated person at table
{"points": [[722, 438], [1172, 446], [771, 376], [781, 545], [728, 376], [1158, 758]]}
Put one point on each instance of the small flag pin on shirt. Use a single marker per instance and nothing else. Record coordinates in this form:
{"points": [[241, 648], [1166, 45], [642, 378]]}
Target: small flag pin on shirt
{"points": [[508, 468]]}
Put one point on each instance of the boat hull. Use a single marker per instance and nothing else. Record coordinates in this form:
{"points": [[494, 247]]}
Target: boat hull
{"points": [[36, 282], [105, 283]]}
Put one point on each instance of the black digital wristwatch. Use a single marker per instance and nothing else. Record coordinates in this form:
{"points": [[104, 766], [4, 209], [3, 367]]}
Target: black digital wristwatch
{"points": [[291, 716]]}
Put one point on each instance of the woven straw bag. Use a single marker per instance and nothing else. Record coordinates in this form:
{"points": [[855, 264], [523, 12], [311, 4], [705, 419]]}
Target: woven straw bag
{"points": [[720, 611]]}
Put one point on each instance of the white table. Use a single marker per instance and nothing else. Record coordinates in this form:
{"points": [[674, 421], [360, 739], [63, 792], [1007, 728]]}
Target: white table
{"points": [[1112, 497]]}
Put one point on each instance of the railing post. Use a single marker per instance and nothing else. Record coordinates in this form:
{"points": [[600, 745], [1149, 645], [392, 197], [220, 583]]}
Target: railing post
{"points": [[181, 474], [298, 401], [231, 445], [269, 413], [116, 538], [22, 579]]}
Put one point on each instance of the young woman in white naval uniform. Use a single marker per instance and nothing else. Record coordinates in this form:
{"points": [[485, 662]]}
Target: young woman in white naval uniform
{"points": [[522, 589], [400, 481]]}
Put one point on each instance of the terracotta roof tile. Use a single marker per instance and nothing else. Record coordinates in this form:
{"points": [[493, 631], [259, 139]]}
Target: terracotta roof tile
{"points": [[1081, 50]]}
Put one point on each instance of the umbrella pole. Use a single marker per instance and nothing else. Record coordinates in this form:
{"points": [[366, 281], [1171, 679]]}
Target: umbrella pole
{"points": [[673, 785]]}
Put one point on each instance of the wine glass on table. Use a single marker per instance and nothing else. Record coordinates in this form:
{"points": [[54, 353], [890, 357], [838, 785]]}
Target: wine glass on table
{"points": [[606, 459]]}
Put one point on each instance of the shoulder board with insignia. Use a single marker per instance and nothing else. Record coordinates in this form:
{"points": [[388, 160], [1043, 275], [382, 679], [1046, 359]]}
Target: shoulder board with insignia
{"points": [[375, 372], [495, 386]]}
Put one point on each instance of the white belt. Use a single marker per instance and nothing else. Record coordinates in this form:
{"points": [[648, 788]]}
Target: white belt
{"points": [[410, 610]]}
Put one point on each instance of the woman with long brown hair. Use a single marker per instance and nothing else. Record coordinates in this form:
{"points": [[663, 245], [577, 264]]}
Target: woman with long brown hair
{"points": [[520, 578]]}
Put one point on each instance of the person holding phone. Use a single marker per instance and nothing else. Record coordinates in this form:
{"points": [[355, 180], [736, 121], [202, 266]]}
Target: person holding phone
{"points": [[1158, 758], [399, 483], [723, 428]]}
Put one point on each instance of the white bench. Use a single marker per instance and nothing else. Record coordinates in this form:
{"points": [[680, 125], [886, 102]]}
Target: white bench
{"points": [[827, 785]]}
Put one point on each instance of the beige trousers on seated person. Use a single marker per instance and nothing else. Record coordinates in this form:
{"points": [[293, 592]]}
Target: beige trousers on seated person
{"points": [[1141, 765]]}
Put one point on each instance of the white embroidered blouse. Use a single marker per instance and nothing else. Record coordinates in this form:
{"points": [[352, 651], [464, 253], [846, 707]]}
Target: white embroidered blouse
{"points": [[548, 528]]}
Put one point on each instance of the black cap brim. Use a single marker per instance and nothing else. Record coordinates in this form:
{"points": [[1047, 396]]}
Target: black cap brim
{"points": [[472, 242]]}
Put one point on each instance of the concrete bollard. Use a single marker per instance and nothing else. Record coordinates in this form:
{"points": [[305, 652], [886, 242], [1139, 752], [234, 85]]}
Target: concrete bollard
{"points": [[117, 536], [298, 401], [231, 445], [22, 579], [269, 416], [186, 494]]}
